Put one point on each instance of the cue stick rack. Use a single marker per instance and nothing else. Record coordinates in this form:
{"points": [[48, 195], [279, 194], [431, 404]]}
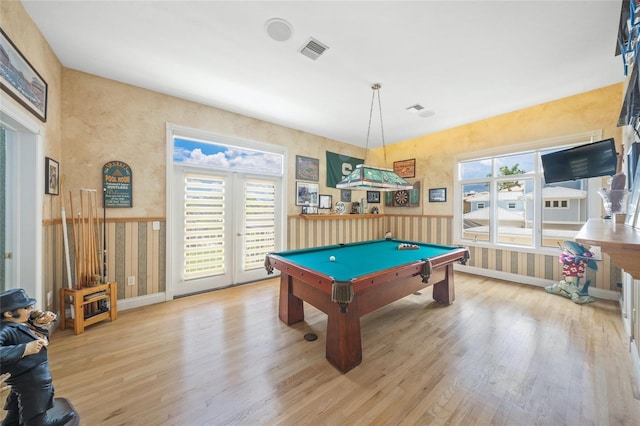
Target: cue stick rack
{"points": [[87, 243]]}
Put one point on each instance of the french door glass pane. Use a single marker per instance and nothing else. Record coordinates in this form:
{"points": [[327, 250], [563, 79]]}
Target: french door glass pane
{"points": [[204, 226]]}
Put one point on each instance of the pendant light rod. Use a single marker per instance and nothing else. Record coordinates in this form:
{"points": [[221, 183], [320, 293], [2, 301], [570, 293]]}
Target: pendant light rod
{"points": [[369, 177]]}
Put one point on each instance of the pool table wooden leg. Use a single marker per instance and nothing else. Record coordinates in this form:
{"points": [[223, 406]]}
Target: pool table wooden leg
{"points": [[444, 291], [290, 307], [344, 344]]}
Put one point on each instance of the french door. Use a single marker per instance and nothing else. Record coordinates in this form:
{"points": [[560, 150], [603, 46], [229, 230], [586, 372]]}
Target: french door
{"points": [[225, 224]]}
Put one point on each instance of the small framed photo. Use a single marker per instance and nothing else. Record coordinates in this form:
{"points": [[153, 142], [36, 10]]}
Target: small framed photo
{"points": [[345, 195], [437, 195], [373, 197], [309, 210], [306, 194], [51, 176], [405, 168], [307, 168], [326, 202]]}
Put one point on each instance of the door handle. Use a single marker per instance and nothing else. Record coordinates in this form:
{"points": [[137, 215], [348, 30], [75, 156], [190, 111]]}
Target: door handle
{"points": [[239, 234]]}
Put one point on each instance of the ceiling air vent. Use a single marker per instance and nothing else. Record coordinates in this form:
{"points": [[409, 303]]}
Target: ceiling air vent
{"points": [[313, 49]]}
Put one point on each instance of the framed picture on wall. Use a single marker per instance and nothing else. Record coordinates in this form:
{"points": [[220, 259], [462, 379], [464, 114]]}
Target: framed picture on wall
{"points": [[51, 176], [307, 168], [634, 202], [632, 163], [345, 195], [22, 82], [373, 197], [306, 194], [405, 168], [437, 195], [326, 202]]}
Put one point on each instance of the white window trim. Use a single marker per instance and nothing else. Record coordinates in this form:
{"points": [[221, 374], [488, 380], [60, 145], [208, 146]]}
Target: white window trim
{"points": [[175, 130], [537, 248]]}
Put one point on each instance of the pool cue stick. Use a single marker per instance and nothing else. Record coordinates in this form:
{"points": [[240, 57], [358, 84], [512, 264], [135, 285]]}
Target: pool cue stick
{"points": [[104, 234], [65, 238], [75, 240], [92, 215], [96, 235], [84, 242]]}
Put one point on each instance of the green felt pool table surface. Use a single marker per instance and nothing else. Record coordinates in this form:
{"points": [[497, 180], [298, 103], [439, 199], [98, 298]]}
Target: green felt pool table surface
{"points": [[363, 258]]}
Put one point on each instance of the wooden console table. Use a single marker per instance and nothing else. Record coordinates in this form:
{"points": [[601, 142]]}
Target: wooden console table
{"points": [[87, 305], [621, 242]]}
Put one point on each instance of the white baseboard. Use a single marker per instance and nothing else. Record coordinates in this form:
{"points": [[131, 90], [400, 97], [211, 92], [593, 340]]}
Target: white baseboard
{"points": [[136, 302], [635, 359], [523, 279]]}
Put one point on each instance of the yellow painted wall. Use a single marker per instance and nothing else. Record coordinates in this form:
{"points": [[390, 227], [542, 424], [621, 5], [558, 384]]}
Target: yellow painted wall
{"points": [[92, 120], [106, 120], [435, 153], [19, 27]]}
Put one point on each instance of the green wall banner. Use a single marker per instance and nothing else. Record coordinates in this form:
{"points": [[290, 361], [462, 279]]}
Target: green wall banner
{"points": [[339, 166], [117, 182]]}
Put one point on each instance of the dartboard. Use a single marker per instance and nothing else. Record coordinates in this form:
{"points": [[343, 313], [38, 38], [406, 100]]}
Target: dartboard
{"points": [[401, 197]]}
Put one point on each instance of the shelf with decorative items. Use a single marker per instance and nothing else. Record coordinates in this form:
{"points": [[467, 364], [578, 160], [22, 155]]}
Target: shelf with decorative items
{"points": [[88, 305], [339, 216]]}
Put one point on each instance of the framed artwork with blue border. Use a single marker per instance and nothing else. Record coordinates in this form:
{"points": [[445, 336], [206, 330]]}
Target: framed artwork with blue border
{"points": [[21, 81]]}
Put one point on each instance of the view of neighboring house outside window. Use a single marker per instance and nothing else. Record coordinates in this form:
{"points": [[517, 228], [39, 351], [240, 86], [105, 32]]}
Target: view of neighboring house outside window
{"points": [[505, 201]]}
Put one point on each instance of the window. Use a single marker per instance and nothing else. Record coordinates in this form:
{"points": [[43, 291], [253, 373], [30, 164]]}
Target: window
{"points": [[502, 198], [556, 204], [194, 152]]}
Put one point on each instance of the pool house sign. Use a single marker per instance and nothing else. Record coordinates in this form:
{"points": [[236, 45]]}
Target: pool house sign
{"points": [[117, 181]]}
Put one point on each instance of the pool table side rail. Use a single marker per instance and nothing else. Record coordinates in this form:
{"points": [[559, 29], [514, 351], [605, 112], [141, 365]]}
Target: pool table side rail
{"points": [[325, 282], [317, 279]]}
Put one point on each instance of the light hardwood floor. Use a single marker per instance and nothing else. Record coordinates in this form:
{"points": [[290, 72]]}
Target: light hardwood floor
{"points": [[503, 354]]}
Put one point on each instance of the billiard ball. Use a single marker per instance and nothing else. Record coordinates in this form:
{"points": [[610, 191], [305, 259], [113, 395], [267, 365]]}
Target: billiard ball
{"points": [[332, 258]]}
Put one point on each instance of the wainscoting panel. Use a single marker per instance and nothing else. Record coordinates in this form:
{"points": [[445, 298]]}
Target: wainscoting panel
{"points": [[304, 233], [134, 249]]}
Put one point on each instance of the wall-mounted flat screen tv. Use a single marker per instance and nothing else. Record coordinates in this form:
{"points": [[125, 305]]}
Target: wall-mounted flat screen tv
{"points": [[581, 162]]}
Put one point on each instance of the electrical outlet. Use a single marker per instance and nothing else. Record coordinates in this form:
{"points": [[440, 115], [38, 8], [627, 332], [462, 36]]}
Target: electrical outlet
{"points": [[155, 225], [131, 280]]}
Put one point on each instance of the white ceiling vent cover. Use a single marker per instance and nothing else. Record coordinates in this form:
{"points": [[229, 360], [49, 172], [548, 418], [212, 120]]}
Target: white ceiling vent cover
{"points": [[313, 49]]}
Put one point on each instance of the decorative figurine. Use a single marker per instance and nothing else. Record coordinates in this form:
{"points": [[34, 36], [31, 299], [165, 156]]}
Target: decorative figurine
{"points": [[575, 258], [23, 355]]}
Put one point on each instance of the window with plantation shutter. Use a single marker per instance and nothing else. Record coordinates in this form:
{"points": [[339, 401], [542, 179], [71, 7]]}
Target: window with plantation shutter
{"points": [[204, 226], [259, 222]]}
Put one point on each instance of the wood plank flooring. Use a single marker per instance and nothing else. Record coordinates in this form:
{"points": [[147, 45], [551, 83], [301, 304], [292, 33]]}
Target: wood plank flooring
{"points": [[502, 354]]}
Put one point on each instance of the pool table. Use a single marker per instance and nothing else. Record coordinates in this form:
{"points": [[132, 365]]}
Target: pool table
{"points": [[347, 281]]}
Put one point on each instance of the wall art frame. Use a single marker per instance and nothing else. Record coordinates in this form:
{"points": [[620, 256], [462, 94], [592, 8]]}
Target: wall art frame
{"points": [[437, 195], [325, 202], [345, 195], [21, 81], [633, 206], [405, 168], [51, 176], [306, 194], [307, 168], [309, 210], [373, 197]]}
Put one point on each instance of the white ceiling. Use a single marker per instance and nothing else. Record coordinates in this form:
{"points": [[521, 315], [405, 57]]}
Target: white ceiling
{"points": [[462, 60]]}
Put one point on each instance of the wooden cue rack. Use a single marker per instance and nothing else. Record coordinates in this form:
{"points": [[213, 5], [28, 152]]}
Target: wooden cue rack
{"points": [[88, 305]]}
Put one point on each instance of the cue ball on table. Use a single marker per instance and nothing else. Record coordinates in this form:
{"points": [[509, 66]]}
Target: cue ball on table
{"points": [[332, 258]]}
